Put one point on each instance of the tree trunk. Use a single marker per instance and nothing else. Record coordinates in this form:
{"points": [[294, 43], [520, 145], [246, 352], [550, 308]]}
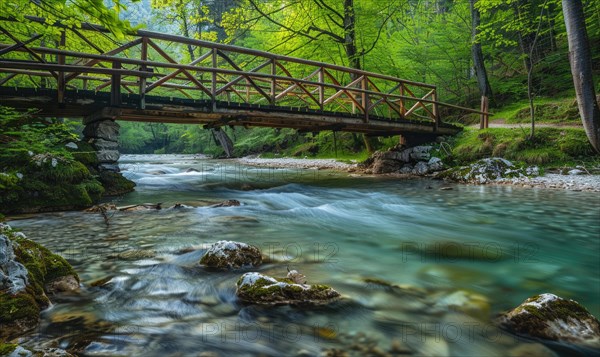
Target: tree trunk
{"points": [[478, 62], [351, 52], [581, 68], [350, 34]]}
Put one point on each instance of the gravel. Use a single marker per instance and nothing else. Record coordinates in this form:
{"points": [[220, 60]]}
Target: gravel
{"points": [[319, 164], [589, 183], [557, 181]]}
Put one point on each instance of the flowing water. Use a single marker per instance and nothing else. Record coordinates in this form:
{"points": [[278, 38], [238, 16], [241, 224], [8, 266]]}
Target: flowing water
{"points": [[352, 233]]}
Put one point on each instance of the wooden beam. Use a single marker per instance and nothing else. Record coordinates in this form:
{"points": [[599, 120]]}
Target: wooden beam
{"points": [[108, 54], [19, 45]]}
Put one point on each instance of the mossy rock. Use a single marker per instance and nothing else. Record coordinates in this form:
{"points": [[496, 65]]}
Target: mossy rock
{"points": [[86, 154], [115, 184], [7, 348], [231, 255], [550, 317], [19, 311], [49, 183], [257, 288]]}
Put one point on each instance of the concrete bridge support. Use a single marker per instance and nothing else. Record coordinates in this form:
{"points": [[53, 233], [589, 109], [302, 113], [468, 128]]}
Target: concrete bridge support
{"points": [[102, 132]]}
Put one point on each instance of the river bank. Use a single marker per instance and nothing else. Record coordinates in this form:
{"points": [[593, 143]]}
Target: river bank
{"points": [[581, 182]]}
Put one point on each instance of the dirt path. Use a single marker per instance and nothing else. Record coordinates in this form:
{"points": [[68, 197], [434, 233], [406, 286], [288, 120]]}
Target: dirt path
{"points": [[501, 123]]}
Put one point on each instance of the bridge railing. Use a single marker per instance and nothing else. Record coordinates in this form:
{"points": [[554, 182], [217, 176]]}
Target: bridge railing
{"points": [[152, 63]]}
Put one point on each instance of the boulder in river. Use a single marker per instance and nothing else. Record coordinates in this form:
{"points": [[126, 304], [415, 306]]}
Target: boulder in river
{"points": [[228, 203], [257, 288], [553, 318], [231, 255], [28, 272], [488, 170]]}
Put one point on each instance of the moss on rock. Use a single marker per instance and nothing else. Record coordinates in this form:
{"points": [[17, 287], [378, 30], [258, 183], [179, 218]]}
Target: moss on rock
{"points": [[7, 348], [19, 312], [550, 317], [262, 289], [231, 255], [115, 184]]}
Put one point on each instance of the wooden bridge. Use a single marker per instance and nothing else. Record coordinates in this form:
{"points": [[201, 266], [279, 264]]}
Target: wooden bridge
{"points": [[73, 73]]}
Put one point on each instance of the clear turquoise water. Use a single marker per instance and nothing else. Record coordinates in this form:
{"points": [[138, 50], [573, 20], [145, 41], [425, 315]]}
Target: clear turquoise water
{"points": [[336, 230]]}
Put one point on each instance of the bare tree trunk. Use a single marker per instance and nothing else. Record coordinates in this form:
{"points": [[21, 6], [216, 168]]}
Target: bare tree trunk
{"points": [[351, 52], [350, 34], [581, 68], [476, 52]]}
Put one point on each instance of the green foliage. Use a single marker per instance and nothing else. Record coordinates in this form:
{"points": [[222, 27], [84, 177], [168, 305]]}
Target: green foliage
{"points": [[70, 13], [550, 147]]}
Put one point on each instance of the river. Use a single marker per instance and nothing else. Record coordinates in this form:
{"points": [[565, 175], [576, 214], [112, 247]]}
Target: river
{"points": [[485, 248]]}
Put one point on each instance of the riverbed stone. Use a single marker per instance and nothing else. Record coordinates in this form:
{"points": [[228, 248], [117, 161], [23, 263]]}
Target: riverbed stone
{"points": [[228, 203], [550, 317], [63, 284], [231, 255], [421, 153], [421, 168], [385, 166], [485, 171], [466, 302], [435, 164], [262, 289]]}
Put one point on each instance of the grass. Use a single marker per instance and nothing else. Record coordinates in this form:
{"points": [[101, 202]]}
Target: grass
{"points": [[548, 110], [551, 147]]}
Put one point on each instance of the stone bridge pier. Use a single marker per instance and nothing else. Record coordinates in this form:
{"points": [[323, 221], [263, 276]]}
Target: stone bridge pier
{"points": [[102, 132]]}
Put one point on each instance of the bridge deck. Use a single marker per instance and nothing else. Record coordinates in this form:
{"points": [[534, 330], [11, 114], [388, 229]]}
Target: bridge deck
{"points": [[187, 111]]}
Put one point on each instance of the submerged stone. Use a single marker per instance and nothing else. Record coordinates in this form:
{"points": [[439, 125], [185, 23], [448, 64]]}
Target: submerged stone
{"points": [[257, 288], [550, 317], [231, 255], [228, 203], [466, 302]]}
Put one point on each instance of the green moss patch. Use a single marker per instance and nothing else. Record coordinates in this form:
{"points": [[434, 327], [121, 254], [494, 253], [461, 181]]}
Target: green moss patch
{"points": [[550, 146], [20, 312], [261, 289], [115, 184], [7, 348]]}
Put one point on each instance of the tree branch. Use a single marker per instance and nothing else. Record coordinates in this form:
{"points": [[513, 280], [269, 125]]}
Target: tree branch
{"points": [[266, 16], [322, 4], [335, 37], [385, 21]]}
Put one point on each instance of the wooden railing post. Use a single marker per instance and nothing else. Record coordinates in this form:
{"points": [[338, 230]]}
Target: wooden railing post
{"points": [[213, 84], [435, 110], [484, 116], [143, 68], [364, 85], [61, 83], [273, 81], [115, 88], [402, 105], [321, 89]]}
